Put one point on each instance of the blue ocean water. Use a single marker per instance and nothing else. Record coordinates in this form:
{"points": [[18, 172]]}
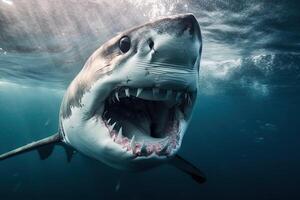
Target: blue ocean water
{"points": [[245, 130]]}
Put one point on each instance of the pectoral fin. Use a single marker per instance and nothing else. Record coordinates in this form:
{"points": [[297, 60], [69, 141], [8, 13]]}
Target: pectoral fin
{"points": [[69, 151], [45, 151], [44, 147], [188, 168]]}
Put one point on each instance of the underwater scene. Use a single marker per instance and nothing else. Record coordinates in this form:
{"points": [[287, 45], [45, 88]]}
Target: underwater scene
{"points": [[241, 143]]}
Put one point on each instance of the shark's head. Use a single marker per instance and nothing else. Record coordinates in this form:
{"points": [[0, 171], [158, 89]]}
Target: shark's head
{"points": [[132, 101]]}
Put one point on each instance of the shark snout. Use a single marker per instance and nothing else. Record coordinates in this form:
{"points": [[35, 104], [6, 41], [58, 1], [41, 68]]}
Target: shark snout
{"points": [[190, 23], [176, 44]]}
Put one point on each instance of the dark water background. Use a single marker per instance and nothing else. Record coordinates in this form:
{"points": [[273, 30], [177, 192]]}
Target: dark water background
{"points": [[245, 131]]}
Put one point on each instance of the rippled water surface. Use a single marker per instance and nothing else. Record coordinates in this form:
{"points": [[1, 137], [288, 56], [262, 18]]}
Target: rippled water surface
{"points": [[245, 131]]}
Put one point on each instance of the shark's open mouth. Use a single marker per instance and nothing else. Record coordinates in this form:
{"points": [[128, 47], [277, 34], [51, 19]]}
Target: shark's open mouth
{"points": [[146, 121]]}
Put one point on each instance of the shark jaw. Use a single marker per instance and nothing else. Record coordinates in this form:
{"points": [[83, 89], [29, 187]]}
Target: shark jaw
{"points": [[147, 122]]}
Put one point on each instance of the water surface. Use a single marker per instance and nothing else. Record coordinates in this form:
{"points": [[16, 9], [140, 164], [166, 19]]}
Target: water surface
{"points": [[245, 131]]}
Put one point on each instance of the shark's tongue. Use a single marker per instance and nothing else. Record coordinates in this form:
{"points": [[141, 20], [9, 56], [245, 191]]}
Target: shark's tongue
{"points": [[159, 116]]}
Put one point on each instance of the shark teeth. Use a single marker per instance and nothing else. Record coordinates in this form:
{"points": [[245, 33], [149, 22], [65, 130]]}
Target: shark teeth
{"points": [[155, 94], [112, 126], [138, 92], [117, 96], [119, 136], [144, 146], [120, 132], [132, 143], [127, 92]]}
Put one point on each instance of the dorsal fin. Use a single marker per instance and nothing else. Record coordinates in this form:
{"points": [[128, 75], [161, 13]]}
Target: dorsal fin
{"points": [[44, 147]]}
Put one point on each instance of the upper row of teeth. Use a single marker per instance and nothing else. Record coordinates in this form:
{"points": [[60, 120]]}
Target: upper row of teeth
{"points": [[155, 92]]}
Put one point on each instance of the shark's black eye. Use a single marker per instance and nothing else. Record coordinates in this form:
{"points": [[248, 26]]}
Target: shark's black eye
{"points": [[124, 44]]}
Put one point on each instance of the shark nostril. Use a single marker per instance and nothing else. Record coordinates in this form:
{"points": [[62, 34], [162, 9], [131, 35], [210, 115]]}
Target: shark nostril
{"points": [[150, 43]]}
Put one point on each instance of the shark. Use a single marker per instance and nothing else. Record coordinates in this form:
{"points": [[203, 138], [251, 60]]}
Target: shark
{"points": [[131, 103]]}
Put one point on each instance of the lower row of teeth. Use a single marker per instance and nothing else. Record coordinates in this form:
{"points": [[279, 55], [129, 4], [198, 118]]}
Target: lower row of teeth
{"points": [[164, 147]]}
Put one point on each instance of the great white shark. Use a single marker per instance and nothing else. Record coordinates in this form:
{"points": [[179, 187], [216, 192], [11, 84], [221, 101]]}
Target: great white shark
{"points": [[131, 103]]}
